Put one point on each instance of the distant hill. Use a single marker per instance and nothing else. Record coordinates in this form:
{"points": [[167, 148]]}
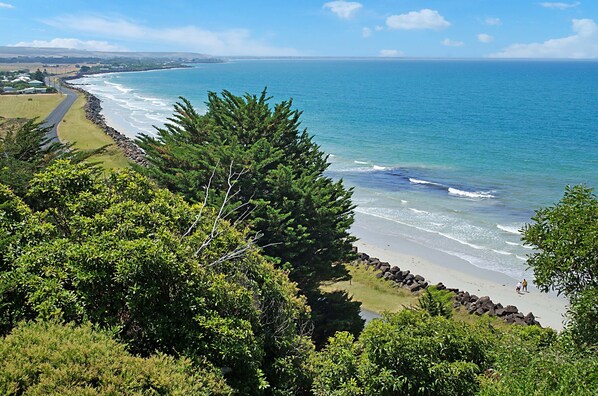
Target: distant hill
{"points": [[67, 55]]}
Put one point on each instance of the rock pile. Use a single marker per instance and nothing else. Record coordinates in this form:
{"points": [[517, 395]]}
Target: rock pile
{"points": [[473, 304], [93, 109]]}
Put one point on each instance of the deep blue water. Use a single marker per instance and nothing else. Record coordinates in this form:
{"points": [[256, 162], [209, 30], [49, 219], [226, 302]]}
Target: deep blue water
{"points": [[460, 152]]}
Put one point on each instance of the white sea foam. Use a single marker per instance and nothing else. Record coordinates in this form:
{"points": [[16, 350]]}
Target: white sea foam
{"points": [[512, 243], [418, 181], [361, 162], [509, 229], [118, 87], [403, 201], [502, 252], [460, 241], [469, 194], [418, 211], [377, 167], [521, 257]]}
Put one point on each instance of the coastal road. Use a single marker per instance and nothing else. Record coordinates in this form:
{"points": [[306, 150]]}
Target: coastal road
{"points": [[59, 112]]}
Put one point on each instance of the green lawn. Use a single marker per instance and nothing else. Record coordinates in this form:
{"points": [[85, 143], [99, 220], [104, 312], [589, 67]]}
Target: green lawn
{"points": [[85, 135], [376, 295], [28, 106]]}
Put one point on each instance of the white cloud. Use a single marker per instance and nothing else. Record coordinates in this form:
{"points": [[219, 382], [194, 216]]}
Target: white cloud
{"points": [[6, 5], [366, 32], [493, 21], [423, 19], [72, 43], [452, 43], [379, 28], [582, 45], [485, 38], [389, 53], [343, 9], [188, 38], [559, 5]]}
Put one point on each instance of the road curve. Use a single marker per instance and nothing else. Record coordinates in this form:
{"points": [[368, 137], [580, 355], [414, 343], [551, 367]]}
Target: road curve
{"points": [[59, 112]]}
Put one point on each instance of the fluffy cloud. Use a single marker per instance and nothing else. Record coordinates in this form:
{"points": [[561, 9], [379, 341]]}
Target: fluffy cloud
{"points": [[451, 43], [6, 5], [72, 43], [493, 21], [343, 9], [485, 38], [379, 28], [423, 19], [188, 38], [390, 53], [559, 5], [581, 45], [366, 32]]}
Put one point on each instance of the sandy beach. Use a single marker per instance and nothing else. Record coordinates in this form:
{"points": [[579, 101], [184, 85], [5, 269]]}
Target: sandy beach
{"points": [[376, 238]]}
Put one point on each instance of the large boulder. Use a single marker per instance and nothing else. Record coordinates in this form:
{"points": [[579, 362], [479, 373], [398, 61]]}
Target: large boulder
{"points": [[511, 309], [419, 278], [394, 269], [379, 275], [384, 267], [417, 286]]}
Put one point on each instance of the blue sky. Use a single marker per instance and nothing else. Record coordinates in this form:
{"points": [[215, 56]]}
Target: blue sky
{"points": [[411, 28]]}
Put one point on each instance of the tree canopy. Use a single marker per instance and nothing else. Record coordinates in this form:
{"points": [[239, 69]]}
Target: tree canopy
{"points": [[123, 254], [280, 189], [565, 237]]}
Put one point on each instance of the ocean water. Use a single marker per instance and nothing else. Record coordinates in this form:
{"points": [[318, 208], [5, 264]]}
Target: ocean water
{"points": [[459, 153]]}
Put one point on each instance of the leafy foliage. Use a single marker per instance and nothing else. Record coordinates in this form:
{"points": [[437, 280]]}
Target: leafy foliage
{"points": [[565, 237], [302, 216], [437, 302], [410, 353], [27, 149], [123, 254], [534, 361], [48, 358]]}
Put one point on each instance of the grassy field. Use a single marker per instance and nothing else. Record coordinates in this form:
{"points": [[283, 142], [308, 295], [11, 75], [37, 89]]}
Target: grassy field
{"points": [[376, 295], [28, 106], [52, 69], [86, 135]]}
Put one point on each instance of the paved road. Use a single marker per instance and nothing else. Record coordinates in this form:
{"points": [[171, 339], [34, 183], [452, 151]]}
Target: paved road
{"points": [[56, 116]]}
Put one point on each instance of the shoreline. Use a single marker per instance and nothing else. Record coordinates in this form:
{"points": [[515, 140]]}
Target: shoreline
{"points": [[376, 239]]}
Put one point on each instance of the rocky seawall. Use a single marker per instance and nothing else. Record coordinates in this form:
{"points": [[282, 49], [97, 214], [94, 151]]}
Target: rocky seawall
{"points": [[93, 112], [473, 304]]}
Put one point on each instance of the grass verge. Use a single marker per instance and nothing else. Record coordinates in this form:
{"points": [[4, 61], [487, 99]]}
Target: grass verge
{"points": [[28, 106], [376, 295], [85, 135]]}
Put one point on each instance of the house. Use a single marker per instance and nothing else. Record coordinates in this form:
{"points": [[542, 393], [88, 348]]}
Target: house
{"points": [[29, 90], [9, 90], [35, 83]]}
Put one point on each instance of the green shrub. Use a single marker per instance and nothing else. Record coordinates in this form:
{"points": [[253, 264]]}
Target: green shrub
{"points": [[48, 358], [408, 353], [437, 302]]}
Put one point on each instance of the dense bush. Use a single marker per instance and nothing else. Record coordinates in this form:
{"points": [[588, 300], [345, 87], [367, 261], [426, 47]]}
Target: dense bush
{"points": [[534, 361], [409, 353], [123, 254], [48, 358]]}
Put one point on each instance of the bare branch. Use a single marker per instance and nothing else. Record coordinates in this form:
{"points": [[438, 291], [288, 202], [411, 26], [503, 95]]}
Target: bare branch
{"points": [[205, 201]]}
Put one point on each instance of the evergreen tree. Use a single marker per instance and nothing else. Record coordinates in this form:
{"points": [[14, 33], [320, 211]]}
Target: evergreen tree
{"points": [[301, 216]]}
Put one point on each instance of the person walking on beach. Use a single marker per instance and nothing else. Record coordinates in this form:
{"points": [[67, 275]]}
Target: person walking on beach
{"points": [[524, 284], [518, 287]]}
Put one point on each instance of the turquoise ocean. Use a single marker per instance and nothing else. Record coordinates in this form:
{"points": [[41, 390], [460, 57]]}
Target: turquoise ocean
{"points": [[458, 154]]}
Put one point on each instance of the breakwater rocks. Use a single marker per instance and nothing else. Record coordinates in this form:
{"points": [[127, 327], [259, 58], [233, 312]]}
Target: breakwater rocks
{"points": [[473, 304], [93, 112]]}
